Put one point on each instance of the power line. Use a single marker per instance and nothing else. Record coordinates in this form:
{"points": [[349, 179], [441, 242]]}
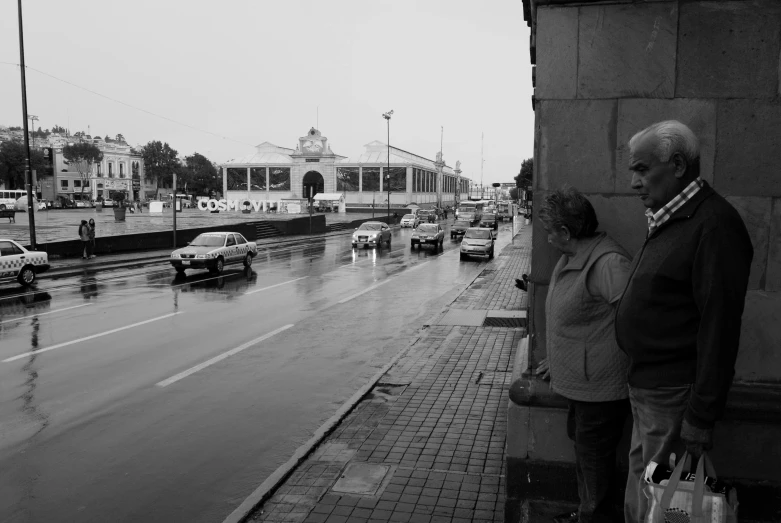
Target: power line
{"points": [[129, 105]]}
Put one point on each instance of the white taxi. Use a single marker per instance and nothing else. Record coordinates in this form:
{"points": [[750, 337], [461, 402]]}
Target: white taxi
{"points": [[213, 251], [18, 263]]}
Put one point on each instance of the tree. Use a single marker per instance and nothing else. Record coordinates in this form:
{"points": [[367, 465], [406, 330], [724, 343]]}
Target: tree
{"points": [[514, 193], [159, 162], [12, 161], [524, 178], [82, 156], [199, 175], [119, 138], [58, 129]]}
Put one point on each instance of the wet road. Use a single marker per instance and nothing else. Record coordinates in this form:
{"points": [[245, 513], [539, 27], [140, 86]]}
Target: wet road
{"points": [[136, 395]]}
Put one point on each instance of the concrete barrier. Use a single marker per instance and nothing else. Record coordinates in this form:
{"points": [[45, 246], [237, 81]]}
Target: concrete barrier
{"points": [[164, 239]]}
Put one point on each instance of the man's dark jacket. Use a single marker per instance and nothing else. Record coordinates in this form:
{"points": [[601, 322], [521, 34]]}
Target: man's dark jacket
{"points": [[679, 318]]}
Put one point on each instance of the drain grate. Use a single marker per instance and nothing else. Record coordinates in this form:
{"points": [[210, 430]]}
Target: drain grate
{"points": [[510, 323]]}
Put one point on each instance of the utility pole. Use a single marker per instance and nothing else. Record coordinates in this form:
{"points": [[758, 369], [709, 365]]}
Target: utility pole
{"points": [[387, 117], [482, 161], [173, 205], [440, 174], [28, 173]]}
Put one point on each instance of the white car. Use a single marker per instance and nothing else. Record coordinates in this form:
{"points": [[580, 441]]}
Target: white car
{"points": [[478, 241], [18, 263], [213, 251], [410, 220]]}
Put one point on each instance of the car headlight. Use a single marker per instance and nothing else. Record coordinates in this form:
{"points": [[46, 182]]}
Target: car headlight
{"points": [[175, 255], [202, 256]]}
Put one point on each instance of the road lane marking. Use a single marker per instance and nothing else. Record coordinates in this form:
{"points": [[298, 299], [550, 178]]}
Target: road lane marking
{"points": [[369, 289], [207, 279], [216, 359], [45, 313], [92, 337], [277, 285]]}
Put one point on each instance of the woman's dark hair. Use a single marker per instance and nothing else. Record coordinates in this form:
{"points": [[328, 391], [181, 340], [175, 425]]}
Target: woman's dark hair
{"points": [[567, 207]]}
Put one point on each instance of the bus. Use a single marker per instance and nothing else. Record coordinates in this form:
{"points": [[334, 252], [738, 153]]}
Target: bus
{"points": [[8, 197], [506, 209], [470, 207]]}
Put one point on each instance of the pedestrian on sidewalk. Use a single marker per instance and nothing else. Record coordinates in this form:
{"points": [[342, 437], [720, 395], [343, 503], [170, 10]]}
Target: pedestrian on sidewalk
{"points": [[84, 237], [679, 318], [91, 246], [584, 362]]}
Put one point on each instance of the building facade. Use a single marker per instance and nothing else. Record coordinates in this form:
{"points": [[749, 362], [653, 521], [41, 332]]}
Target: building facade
{"points": [[120, 171], [603, 71], [274, 173]]}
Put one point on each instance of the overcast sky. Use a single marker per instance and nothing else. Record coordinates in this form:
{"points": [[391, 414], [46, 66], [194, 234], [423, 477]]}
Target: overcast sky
{"points": [[256, 71]]}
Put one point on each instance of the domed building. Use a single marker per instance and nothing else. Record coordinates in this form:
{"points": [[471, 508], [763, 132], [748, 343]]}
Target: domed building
{"points": [[276, 174]]}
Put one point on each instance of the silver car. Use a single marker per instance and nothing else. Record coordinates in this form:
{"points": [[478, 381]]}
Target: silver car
{"points": [[428, 234], [478, 241], [371, 234]]}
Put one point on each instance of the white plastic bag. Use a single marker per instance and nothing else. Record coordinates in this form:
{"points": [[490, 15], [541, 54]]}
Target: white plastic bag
{"points": [[682, 501]]}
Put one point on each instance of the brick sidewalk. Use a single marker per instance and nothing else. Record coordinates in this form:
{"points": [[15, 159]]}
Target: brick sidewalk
{"points": [[427, 443]]}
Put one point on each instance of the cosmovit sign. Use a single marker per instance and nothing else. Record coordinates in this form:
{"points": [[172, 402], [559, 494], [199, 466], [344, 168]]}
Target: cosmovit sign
{"points": [[229, 205]]}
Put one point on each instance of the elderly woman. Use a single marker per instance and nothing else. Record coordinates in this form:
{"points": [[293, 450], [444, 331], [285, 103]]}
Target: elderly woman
{"points": [[584, 362]]}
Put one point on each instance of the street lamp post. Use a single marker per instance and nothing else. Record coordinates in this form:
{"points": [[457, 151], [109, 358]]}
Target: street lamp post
{"points": [[387, 117], [28, 174]]}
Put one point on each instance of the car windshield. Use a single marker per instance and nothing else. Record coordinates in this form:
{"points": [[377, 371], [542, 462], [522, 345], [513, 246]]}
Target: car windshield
{"points": [[370, 227], [461, 223], [478, 234], [489, 216], [427, 228], [208, 241], [408, 216]]}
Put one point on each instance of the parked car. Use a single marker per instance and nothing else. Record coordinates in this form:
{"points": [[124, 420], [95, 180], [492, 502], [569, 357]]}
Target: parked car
{"points": [[410, 220], [18, 263], [478, 241], [459, 228], [108, 202], [490, 220], [428, 234], [372, 234], [213, 251]]}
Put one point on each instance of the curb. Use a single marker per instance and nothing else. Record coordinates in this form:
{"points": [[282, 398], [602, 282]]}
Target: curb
{"points": [[279, 476], [271, 483]]}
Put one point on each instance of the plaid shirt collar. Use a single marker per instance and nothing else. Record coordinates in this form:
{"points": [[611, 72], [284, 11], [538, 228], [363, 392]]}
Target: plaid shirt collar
{"points": [[655, 220]]}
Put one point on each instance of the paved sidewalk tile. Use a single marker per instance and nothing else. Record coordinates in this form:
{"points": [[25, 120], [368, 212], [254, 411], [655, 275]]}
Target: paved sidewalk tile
{"points": [[436, 420]]}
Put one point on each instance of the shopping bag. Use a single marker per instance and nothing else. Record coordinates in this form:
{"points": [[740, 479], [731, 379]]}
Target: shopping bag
{"points": [[682, 501]]}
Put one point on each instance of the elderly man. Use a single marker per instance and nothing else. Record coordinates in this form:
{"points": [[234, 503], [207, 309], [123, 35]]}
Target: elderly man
{"points": [[679, 318]]}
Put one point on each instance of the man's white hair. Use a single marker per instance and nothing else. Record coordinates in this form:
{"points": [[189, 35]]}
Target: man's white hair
{"points": [[672, 137]]}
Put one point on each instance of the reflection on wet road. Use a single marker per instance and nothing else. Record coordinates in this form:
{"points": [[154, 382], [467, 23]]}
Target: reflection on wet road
{"points": [[171, 398]]}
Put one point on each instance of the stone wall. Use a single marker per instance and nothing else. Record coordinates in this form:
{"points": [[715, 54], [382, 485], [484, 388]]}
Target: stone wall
{"points": [[605, 71]]}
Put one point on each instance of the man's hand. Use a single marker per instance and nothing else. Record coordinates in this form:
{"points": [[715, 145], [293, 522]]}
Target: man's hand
{"points": [[543, 369], [697, 440]]}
